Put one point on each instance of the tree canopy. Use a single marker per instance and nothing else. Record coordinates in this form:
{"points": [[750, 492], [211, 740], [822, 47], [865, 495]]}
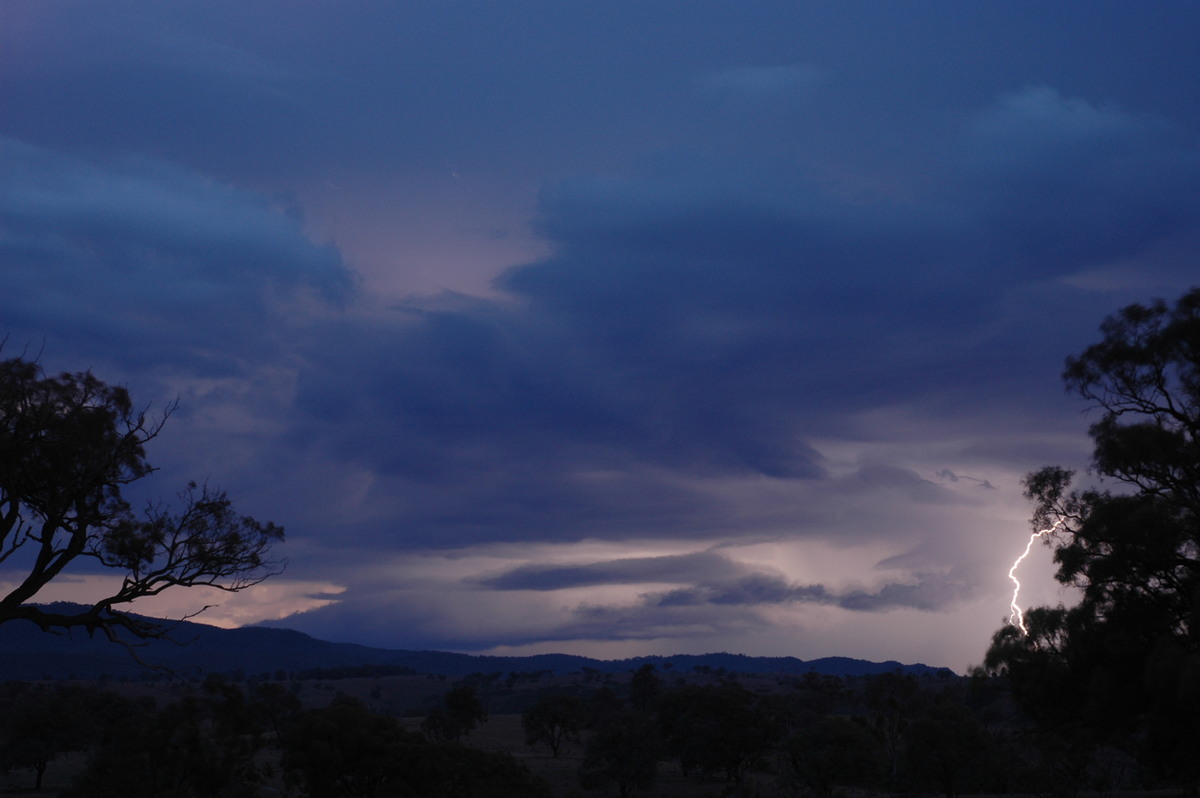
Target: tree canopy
{"points": [[1127, 657], [554, 720], [69, 444]]}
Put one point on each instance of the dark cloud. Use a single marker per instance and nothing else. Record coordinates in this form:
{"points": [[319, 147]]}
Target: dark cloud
{"points": [[708, 315], [794, 271], [766, 589], [634, 570], [704, 611], [950, 476], [928, 591], [876, 478], [150, 265], [703, 316], [1061, 182]]}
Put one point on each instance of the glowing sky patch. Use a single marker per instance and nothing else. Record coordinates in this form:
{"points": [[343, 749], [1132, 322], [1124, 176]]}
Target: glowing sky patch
{"points": [[269, 601]]}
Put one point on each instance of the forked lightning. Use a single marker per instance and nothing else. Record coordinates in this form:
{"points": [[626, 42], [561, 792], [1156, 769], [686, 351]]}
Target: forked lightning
{"points": [[1016, 617]]}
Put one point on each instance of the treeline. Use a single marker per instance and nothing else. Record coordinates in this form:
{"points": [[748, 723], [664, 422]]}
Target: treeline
{"points": [[813, 735], [796, 736], [220, 740]]}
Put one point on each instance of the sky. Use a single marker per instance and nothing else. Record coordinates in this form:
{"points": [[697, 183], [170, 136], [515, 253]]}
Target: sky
{"points": [[611, 328]]}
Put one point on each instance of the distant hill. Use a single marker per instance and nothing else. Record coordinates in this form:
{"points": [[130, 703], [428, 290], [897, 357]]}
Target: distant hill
{"points": [[28, 653]]}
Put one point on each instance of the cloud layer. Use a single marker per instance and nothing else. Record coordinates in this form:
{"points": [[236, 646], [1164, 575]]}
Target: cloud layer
{"points": [[784, 295]]}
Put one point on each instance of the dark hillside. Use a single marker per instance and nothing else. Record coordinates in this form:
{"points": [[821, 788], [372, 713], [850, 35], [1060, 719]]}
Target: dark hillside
{"points": [[196, 649]]}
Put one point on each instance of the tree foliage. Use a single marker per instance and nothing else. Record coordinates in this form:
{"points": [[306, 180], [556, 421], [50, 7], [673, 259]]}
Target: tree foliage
{"points": [[553, 721], [834, 751], [460, 712], [37, 724], [1123, 666], [623, 751], [712, 729], [69, 445], [223, 738], [644, 687], [892, 699], [345, 751], [946, 746], [201, 746]]}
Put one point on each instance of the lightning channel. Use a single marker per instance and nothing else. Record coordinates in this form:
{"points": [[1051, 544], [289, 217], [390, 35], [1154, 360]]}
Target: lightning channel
{"points": [[1016, 617]]}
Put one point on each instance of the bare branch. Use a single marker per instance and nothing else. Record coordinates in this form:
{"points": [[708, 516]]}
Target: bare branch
{"points": [[68, 444]]}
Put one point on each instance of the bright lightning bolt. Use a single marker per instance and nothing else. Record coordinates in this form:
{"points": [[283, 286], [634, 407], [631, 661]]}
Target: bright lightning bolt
{"points": [[1017, 618]]}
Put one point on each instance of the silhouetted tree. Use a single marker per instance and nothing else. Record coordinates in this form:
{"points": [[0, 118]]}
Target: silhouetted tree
{"points": [[644, 687], [622, 751], [892, 698], [275, 706], [717, 729], [68, 446], [1130, 650], [37, 724], [554, 720], [470, 773], [945, 745], [819, 693], [345, 751], [183, 750], [602, 703], [834, 751], [457, 717]]}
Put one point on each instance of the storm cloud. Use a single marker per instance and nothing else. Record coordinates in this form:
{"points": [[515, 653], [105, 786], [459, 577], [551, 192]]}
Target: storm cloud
{"points": [[640, 330], [154, 266]]}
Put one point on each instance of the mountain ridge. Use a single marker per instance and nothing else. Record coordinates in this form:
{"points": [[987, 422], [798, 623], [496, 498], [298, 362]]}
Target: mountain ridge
{"points": [[196, 649]]}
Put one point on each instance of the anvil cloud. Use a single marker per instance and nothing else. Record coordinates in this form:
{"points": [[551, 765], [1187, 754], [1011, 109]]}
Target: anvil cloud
{"points": [[605, 328]]}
